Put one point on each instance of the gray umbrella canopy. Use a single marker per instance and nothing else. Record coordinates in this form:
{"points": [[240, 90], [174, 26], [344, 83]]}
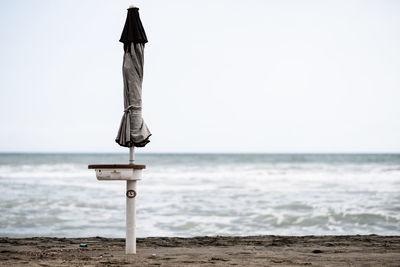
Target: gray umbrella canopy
{"points": [[133, 130]]}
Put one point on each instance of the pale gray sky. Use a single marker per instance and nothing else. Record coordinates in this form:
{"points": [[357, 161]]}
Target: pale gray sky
{"points": [[220, 76]]}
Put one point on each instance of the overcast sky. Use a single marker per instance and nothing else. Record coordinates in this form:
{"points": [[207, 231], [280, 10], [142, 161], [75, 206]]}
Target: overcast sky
{"points": [[220, 76]]}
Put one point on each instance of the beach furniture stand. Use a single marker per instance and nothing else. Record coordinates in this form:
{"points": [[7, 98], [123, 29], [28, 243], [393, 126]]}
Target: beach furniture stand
{"points": [[130, 173]]}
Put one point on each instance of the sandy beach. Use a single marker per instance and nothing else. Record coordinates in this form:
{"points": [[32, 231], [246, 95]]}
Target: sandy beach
{"points": [[355, 250]]}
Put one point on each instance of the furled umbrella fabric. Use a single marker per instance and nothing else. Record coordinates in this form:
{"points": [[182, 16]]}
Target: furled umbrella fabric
{"points": [[133, 131]]}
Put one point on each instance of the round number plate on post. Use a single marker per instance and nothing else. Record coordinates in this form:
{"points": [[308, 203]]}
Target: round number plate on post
{"points": [[131, 193]]}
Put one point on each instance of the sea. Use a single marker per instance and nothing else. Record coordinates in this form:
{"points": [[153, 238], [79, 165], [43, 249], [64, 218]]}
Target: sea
{"points": [[189, 195]]}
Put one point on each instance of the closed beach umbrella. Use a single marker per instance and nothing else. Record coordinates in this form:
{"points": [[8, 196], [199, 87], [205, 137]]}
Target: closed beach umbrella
{"points": [[133, 130]]}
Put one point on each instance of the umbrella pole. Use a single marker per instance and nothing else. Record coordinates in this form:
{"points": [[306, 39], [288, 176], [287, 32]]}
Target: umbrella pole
{"points": [[130, 238], [131, 155]]}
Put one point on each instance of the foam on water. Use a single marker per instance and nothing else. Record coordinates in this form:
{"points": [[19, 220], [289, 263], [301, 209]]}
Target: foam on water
{"points": [[200, 194]]}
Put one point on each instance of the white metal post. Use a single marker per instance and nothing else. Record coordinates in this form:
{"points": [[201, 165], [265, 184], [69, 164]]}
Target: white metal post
{"points": [[131, 155], [130, 239]]}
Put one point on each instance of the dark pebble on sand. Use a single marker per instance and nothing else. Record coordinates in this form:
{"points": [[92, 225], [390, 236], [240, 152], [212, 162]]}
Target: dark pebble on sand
{"points": [[317, 251]]}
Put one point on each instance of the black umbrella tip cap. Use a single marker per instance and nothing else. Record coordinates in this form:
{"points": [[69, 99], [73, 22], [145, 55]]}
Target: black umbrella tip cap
{"points": [[133, 31]]}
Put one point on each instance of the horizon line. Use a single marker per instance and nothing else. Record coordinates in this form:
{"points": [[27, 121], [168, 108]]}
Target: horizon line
{"points": [[232, 153]]}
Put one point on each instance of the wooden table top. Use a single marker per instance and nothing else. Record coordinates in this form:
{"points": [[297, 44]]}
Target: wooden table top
{"points": [[117, 166]]}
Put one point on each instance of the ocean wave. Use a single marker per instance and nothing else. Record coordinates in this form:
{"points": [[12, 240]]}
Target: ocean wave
{"points": [[188, 195]]}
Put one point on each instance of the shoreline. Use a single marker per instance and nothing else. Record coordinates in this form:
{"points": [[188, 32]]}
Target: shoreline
{"points": [[271, 250]]}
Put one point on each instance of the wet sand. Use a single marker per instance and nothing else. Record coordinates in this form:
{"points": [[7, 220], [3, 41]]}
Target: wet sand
{"points": [[356, 250]]}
